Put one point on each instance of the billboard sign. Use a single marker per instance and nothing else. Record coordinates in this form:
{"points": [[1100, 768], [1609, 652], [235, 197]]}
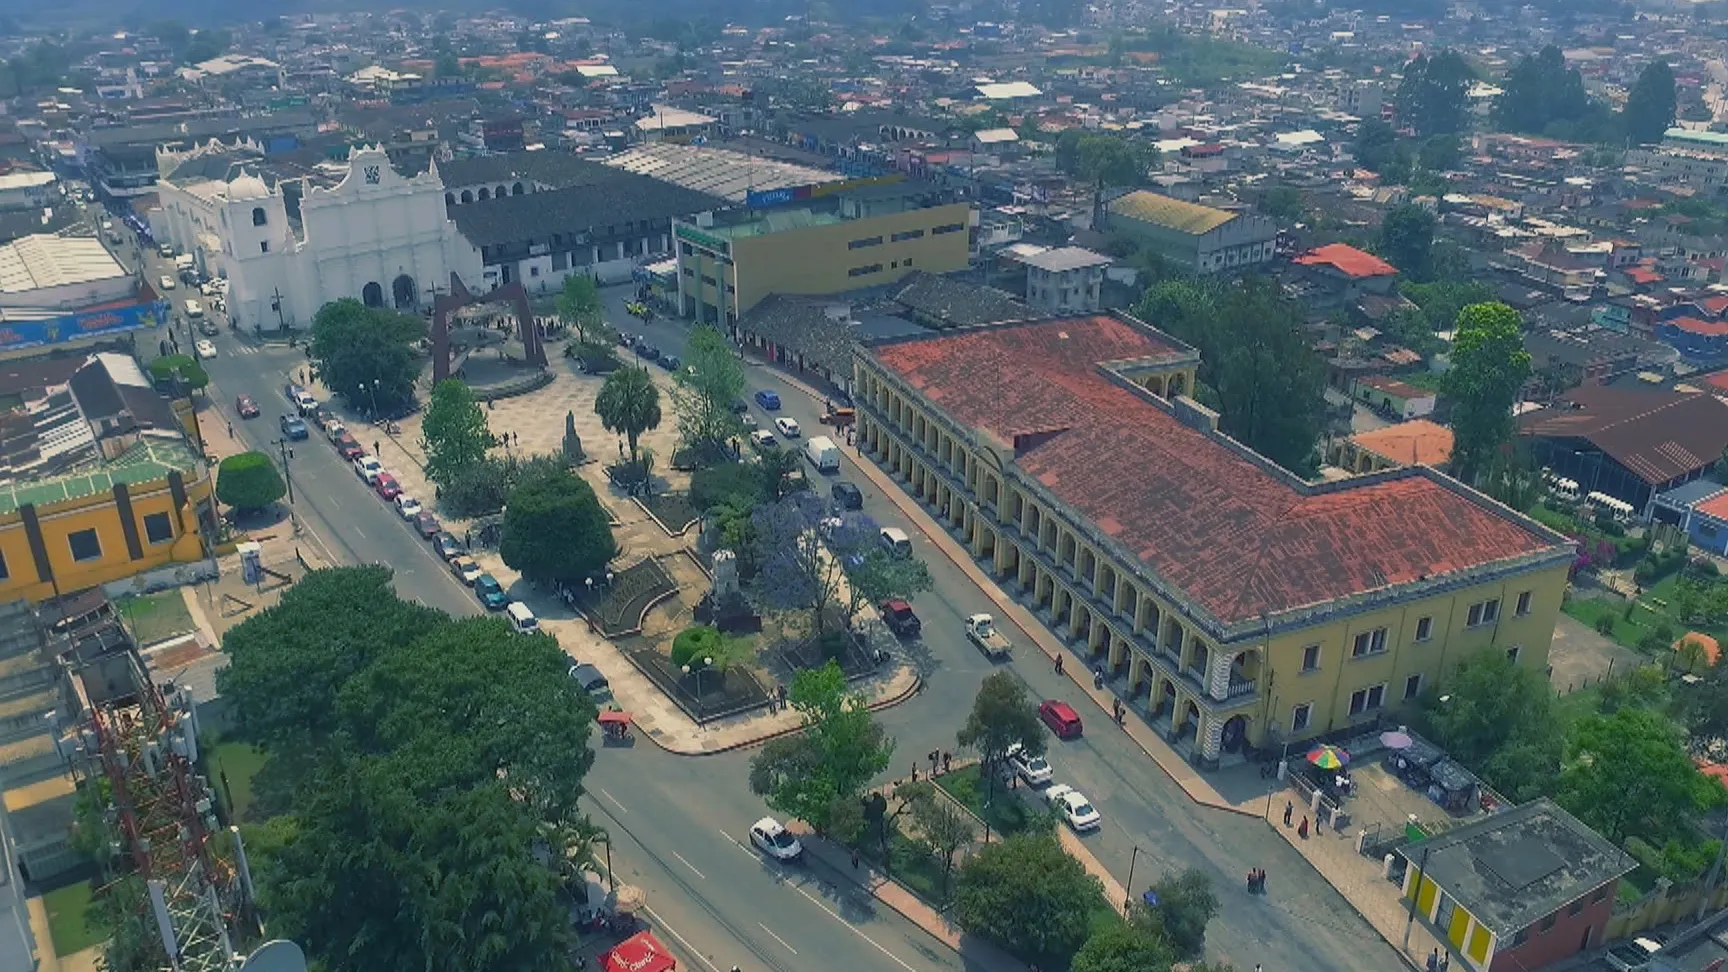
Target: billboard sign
{"points": [[47, 331], [768, 198]]}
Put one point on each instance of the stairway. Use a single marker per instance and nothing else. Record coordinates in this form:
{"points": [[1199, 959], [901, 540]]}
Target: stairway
{"points": [[28, 692]]}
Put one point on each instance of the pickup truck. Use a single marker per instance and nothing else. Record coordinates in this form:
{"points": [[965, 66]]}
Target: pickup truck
{"points": [[898, 616], [981, 629]]}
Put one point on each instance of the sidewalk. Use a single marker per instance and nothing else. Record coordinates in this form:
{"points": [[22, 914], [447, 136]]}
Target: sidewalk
{"points": [[1192, 782]]}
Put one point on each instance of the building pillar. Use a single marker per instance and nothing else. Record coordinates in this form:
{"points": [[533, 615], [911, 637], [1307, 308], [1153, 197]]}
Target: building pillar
{"points": [[1210, 737], [1118, 651], [1218, 674]]}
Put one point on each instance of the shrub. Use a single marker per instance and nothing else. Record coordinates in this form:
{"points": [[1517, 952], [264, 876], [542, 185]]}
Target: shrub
{"points": [[249, 481], [163, 370], [1605, 624], [477, 490], [696, 643], [1607, 524], [593, 357], [730, 480]]}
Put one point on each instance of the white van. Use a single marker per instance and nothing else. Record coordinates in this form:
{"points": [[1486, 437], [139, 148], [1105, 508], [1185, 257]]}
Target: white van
{"points": [[823, 454], [522, 619], [896, 542], [194, 310]]}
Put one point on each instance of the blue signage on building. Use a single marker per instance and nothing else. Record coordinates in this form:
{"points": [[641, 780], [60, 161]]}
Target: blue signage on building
{"points": [[768, 197], [15, 335]]}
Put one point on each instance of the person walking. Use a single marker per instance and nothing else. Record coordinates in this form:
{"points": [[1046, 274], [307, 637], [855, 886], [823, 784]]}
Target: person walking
{"points": [[1302, 829], [1289, 810], [1059, 664], [1434, 960]]}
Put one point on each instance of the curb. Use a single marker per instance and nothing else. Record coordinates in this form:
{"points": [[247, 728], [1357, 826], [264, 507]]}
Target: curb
{"points": [[994, 593], [880, 704]]}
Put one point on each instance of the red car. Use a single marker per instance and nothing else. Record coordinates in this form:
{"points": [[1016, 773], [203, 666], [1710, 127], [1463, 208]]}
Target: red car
{"points": [[427, 525], [349, 447], [246, 406], [387, 486], [1061, 718]]}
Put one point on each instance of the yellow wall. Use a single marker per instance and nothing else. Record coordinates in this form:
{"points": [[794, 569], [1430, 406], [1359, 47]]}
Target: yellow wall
{"points": [[1480, 940], [59, 521], [816, 259]]}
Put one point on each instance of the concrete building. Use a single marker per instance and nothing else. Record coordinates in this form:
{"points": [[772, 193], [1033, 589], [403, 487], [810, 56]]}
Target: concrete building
{"points": [[1629, 443], [27, 190], [121, 162], [1198, 239], [1065, 280], [67, 293], [1520, 889], [838, 238], [289, 246], [1230, 601]]}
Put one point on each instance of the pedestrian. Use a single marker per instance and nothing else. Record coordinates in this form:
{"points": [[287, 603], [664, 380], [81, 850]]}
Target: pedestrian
{"points": [[1319, 824], [230, 430], [1434, 960], [1289, 809], [1302, 829], [947, 761], [935, 756], [376, 449], [914, 771], [1059, 664], [854, 858], [1445, 961]]}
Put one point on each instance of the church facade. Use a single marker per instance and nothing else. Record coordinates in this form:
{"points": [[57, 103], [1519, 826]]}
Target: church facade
{"points": [[293, 243]]}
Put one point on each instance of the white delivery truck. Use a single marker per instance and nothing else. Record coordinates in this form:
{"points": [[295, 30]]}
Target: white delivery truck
{"points": [[822, 453]]}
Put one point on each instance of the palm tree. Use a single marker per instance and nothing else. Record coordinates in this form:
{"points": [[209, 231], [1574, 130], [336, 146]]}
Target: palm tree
{"points": [[575, 846], [629, 404]]}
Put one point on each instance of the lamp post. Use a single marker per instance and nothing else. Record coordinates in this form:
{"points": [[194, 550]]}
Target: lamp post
{"points": [[374, 389], [1128, 900]]}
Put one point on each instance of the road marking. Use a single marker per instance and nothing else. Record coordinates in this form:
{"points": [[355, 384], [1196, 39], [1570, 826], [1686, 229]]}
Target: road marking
{"points": [[680, 938], [359, 534], [689, 865], [777, 938], [836, 915], [620, 806]]}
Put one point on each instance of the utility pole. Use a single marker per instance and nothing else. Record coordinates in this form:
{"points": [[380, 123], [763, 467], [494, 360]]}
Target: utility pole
{"points": [[276, 305], [287, 474]]}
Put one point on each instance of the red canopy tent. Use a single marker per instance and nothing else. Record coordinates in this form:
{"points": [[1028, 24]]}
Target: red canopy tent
{"points": [[641, 952]]}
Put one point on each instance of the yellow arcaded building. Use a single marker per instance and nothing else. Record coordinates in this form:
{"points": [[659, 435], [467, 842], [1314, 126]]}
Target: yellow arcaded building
{"points": [[1236, 603], [100, 478]]}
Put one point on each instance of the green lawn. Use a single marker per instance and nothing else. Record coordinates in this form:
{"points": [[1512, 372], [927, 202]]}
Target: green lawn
{"points": [[68, 919], [241, 762], [1588, 610], [911, 865], [156, 617], [1006, 814]]}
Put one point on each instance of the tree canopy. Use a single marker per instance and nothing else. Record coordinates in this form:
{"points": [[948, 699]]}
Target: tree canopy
{"points": [[1186, 904], [1432, 97], [555, 528], [704, 391], [1029, 896], [816, 773], [183, 368], [1497, 716], [1489, 368], [1630, 773], [629, 405], [454, 432], [800, 560], [1650, 106], [1003, 716], [366, 354], [1539, 91], [580, 307], [1407, 240], [249, 481]]}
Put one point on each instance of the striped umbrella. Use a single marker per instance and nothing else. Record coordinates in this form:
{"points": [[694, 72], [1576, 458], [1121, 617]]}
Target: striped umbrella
{"points": [[1329, 757]]}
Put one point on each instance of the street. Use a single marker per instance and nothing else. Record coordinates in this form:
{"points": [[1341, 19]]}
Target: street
{"points": [[681, 823]]}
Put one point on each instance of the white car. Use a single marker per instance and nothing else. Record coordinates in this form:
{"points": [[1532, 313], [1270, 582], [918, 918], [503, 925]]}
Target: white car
{"points": [[408, 506], [1032, 769], [1074, 807], [205, 349], [788, 427], [368, 468], [762, 439], [466, 570], [165, 282], [774, 840]]}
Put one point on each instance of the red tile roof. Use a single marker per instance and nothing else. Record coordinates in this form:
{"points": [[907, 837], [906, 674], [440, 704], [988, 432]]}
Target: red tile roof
{"points": [[1716, 379], [1348, 260], [1693, 325], [1642, 276], [1716, 507], [1417, 442], [1240, 540], [1715, 305]]}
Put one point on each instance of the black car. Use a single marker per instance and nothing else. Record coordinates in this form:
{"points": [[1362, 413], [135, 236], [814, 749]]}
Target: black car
{"points": [[670, 362], [847, 496], [448, 546], [648, 352]]}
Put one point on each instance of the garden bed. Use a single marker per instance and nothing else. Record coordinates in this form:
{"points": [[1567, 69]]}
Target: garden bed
{"points": [[723, 694], [157, 617], [672, 511], [854, 660], [619, 608], [909, 864], [1008, 811]]}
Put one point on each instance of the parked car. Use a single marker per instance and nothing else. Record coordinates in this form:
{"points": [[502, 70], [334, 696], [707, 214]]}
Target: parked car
{"points": [[593, 681], [1034, 770], [900, 619], [349, 447], [165, 282], [407, 506], [847, 496], [466, 570], [788, 427], [647, 352], [670, 362], [1074, 807], [293, 427], [775, 840], [1061, 718], [427, 526], [1632, 956], [387, 486], [491, 592], [768, 400], [325, 419], [448, 546], [368, 468], [762, 439], [208, 328], [206, 349], [245, 407]]}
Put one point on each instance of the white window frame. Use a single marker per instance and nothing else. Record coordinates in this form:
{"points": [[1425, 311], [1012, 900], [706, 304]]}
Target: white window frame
{"points": [[1376, 642], [1425, 628], [1306, 709]]}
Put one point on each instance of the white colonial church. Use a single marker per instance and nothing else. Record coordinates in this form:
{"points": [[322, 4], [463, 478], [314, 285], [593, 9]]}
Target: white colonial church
{"points": [[291, 242]]}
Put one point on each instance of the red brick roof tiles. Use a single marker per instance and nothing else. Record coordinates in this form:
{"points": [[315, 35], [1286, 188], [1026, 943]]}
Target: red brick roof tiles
{"points": [[1239, 540]]}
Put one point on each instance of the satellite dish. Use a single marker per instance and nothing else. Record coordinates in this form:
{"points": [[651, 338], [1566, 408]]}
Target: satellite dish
{"points": [[277, 956]]}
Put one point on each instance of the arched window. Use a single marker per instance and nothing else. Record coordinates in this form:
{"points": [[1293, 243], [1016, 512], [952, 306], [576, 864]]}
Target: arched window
{"points": [[372, 295], [404, 293], [467, 197], [258, 218], [500, 194], [485, 194], [516, 190], [449, 199]]}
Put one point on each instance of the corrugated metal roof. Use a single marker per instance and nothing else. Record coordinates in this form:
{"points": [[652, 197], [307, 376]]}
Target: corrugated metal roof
{"points": [[1171, 213], [39, 262]]}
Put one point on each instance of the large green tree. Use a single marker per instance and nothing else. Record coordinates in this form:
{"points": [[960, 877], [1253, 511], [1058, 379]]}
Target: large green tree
{"points": [[1489, 368], [1432, 96], [1029, 896], [178, 373], [1629, 773], [1121, 946], [629, 405], [1103, 161], [814, 774], [580, 307], [1186, 904], [704, 390], [366, 354], [1407, 240], [1650, 106], [1539, 91], [1003, 716], [1497, 717], [1376, 145], [876, 575], [454, 433], [249, 481], [555, 529]]}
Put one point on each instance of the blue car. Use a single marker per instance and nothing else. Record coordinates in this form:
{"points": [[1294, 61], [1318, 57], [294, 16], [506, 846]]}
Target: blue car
{"points": [[293, 427], [768, 400], [491, 592]]}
